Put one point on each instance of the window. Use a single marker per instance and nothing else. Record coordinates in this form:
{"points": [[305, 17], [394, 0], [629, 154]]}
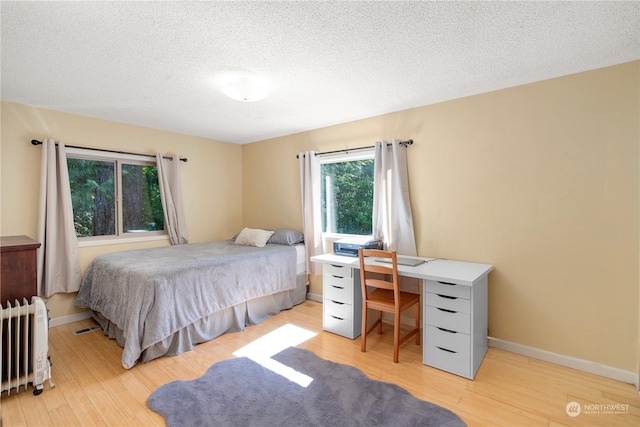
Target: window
{"points": [[347, 194], [114, 196]]}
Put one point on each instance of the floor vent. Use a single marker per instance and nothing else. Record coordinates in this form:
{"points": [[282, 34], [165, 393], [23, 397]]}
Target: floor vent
{"points": [[85, 330]]}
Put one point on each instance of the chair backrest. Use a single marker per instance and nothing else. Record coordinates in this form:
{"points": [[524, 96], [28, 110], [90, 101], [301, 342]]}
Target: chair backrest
{"points": [[375, 281]]}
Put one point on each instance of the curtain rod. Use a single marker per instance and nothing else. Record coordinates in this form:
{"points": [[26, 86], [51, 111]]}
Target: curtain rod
{"points": [[183, 159], [346, 150]]}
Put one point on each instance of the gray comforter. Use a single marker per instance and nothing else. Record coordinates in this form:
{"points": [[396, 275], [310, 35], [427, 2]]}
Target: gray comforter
{"points": [[152, 293]]}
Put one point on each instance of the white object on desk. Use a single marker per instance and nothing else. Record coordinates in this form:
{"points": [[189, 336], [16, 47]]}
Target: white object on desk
{"points": [[455, 304], [402, 260]]}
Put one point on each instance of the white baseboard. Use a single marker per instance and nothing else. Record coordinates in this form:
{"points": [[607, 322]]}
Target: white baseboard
{"points": [[567, 361], [617, 374], [314, 297], [63, 320]]}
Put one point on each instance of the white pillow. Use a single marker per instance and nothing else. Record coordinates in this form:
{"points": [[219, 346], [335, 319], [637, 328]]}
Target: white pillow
{"points": [[253, 237]]}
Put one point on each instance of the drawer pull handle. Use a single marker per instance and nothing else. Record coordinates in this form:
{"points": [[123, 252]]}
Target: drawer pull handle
{"points": [[336, 317], [446, 330], [337, 277], [447, 283], [447, 350], [445, 310], [446, 296], [337, 302], [337, 287], [337, 266]]}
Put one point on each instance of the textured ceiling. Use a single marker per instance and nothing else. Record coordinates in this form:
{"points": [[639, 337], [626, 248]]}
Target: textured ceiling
{"points": [[157, 64]]}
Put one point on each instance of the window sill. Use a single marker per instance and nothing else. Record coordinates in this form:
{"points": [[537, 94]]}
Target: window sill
{"points": [[121, 240], [336, 236]]}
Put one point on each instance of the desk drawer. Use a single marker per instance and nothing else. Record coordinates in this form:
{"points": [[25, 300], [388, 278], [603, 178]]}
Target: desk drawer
{"points": [[448, 289], [344, 282], [447, 360], [338, 309], [337, 270], [449, 340], [452, 320], [447, 302], [337, 325], [337, 291]]}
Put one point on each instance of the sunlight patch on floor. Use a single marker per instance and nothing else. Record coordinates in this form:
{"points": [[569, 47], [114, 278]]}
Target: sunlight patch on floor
{"points": [[262, 349]]}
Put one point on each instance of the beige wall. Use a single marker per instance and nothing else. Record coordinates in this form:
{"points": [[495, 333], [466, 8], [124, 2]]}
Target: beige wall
{"points": [[539, 180], [211, 179]]}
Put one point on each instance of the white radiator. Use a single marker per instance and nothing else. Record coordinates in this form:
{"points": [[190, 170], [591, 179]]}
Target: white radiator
{"points": [[24, 356]]}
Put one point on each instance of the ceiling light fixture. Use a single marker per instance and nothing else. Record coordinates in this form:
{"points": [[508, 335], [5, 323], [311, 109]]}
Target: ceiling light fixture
{"points": [[245, 88]]}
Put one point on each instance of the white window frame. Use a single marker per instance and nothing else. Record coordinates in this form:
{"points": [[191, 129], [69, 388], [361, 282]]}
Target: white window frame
{"points": [[118, 158], [363, 154]]}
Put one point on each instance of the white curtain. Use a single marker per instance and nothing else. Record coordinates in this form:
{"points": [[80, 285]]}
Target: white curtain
{"points": [[311, 220], [58, 260], [171, 195], [392, 219]]}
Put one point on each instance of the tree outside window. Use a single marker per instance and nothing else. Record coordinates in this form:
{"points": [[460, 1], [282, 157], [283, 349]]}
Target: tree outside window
{"points": [[141, 203], [347, 196], [114, 197]]}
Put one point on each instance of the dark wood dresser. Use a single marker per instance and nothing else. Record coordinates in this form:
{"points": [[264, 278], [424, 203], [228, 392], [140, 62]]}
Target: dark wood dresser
{"points": [[18, 269]]}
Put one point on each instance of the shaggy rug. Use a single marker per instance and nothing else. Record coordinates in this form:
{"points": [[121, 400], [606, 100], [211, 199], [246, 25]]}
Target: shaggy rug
{"points": [[242, 392]]}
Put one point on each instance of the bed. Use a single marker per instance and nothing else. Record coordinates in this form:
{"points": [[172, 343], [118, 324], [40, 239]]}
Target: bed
{"points": [[164, 301]]}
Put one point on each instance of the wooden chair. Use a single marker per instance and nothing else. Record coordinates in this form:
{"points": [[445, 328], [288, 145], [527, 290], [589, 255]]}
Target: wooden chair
{"points": [[385, 296]]}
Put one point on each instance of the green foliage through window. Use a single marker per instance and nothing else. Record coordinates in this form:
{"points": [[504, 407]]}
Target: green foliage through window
{"points": [[93, 196], [141, 203], [347, 197], [94, 185]]}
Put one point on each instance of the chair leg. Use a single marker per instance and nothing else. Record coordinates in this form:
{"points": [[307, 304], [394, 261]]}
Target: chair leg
{"points": [[363, 333], [380, 322], [396, 337]]}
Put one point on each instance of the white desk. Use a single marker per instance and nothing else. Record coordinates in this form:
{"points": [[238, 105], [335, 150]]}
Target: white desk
{"points": [[454, 302]]}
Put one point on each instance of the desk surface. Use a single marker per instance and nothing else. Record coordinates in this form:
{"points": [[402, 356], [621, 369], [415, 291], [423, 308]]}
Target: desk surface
{"points": [[464, 273]]}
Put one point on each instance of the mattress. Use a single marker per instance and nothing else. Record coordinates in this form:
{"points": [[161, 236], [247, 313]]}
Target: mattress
{"points": [[148, 295], [301, 265]]}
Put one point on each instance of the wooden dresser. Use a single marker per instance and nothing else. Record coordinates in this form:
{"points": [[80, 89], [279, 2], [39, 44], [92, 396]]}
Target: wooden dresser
{"points": [[18, 269]]}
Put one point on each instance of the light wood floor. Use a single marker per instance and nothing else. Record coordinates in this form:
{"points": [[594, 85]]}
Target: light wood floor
{"points": [[92, 388]]}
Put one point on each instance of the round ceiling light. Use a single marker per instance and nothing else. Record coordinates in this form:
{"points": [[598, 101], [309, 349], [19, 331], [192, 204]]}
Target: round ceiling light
{"points": [[245, 88]]}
